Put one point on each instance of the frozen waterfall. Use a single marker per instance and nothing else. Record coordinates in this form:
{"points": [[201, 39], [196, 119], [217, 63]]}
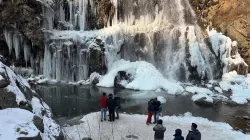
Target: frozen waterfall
{"points": [[85, 36]]}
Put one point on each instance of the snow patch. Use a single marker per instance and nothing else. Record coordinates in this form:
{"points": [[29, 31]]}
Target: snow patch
{"points": [[126, 126], [13, 121]]}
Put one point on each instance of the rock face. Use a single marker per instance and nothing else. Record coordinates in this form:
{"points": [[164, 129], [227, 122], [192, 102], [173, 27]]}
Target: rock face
{"points": [[231, 17], [25, 17]]}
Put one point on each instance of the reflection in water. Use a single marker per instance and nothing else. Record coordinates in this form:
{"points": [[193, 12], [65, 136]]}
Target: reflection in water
{"points": [[71, 101]]}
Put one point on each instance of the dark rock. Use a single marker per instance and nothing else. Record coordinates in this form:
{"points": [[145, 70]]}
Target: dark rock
{"points": [[203, 102], [4, 82], [87, 139], [38, 122], [95, 81], [246, 117], [38, 137], [132, 136], [7, 99], [121, 75], [60, 137]]}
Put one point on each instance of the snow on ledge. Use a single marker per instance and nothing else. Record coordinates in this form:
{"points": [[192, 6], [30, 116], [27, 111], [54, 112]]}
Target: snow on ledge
{"points": [[238, 84], [12, 119], [12, 87], [145, 77], [125, 126]]}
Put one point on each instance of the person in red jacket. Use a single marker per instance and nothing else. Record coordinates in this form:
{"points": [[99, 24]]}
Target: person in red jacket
{"points": [[103, 101]]}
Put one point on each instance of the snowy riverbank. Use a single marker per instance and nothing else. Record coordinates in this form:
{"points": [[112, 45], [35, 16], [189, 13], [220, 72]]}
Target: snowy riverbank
{"points": [[134, 127]]}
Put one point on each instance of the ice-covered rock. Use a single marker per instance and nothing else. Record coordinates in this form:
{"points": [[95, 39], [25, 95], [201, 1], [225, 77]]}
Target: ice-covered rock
{"points": [[145, 77], [238, 84]]}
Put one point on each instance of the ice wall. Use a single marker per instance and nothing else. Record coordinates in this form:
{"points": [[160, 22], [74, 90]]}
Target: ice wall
{"points": [[85, 36]]}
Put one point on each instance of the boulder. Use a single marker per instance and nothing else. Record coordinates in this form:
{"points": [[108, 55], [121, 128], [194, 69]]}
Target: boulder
{"points": [[38, 122], [7, 99], [4, 82], [203, 102]]}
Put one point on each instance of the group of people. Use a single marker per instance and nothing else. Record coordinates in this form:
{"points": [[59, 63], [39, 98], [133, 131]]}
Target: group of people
{"points": [[112, 104], [159, 129], [154, 108]]}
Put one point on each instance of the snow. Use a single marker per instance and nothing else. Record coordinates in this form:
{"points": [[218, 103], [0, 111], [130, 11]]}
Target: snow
{"points": [[145, 77], [38, 106], [238, 84], [161, 99], [200, 93], [125, 126], [12, 87], [218, 89], [13, 121], [1, 77]]}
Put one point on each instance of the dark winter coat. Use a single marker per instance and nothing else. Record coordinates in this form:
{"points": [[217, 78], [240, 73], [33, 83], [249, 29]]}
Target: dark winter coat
{"points": [[178, 134], [111, 103], [117, 102], [103, 101], [194, 135], [150, 106], [157, 106], [159, 131]]}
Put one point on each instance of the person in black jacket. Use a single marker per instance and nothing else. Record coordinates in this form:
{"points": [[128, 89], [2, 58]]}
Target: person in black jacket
{"points": [[157, 109], [194, 134], [178, 135], [111, 107], [117, 105]]}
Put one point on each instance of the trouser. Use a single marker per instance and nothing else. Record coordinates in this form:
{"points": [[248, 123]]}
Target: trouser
{"points": [[117, 112], [156, 116], [150, 113], [111, 114], [103, 113]]}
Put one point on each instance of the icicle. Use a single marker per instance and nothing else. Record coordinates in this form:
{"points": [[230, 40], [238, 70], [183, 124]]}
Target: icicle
{"points": [[9, 38], [26, 51], [16, 44]]}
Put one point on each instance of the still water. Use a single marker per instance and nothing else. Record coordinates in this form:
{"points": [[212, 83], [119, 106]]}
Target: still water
{"points": [[68, 102]]}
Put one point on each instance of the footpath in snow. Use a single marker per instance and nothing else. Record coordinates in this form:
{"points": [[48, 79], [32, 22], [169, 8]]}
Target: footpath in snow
{"points": [[130, 127]]}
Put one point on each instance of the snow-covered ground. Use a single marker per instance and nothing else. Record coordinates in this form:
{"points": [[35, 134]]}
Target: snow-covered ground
{"points": [[135, 125]]}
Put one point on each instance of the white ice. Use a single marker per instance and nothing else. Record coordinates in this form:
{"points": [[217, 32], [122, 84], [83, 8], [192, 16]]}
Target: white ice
{"points": [[145, 77], [136, 125], [238, 84]]}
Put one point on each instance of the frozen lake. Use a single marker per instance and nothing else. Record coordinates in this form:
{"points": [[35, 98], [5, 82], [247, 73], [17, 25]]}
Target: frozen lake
{"points": [[71, 102]]}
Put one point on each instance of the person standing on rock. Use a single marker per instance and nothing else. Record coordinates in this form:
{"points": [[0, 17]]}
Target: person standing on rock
{"points": [[194, 134], [157, 109], [178, 135], [103, 101], [111, 107], [117, 105], [150, 111], [159, 131]]}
